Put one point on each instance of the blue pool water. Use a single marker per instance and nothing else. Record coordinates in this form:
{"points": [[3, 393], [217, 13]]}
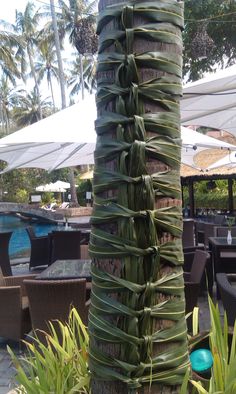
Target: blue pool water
{"points": [[19, 243]]}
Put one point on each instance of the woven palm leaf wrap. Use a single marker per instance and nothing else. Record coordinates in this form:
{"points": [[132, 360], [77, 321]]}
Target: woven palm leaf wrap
{"points": [[126, 227]]}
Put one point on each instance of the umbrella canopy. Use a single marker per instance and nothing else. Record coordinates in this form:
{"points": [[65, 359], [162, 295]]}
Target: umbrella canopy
{"points": [[227, 161], [87, 175], [62, 184], [67, 139], [211, 101], [64, 139], [50, 187]]}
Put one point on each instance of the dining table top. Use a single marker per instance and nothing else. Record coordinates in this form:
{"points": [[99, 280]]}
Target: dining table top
{"points": [[67, 269], [222, 241]]}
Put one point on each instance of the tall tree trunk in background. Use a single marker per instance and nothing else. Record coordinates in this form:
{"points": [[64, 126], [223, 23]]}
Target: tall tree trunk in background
{"points": [[137, 327], [81, 74], [59, 59], [74, 199], [36, 85]]}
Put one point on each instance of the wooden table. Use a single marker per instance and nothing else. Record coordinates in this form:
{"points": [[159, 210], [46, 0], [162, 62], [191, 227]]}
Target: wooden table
{"points": [[67, 269]]}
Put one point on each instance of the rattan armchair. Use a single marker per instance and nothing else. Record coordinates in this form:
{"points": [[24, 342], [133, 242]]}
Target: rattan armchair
{"points": [[4, 253], [65, 245], [52, 299], [39, 252], [15, 320], [192, 281], [228, 294]]}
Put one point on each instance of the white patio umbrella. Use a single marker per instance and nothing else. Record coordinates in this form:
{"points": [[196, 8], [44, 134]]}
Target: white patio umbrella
{"points": [[64, 139], [50, 187], [67, 139], [62, 184], [211, 101], [227, 161]]}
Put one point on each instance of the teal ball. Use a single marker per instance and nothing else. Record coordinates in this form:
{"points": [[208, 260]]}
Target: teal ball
{"points": [[201, 360]]}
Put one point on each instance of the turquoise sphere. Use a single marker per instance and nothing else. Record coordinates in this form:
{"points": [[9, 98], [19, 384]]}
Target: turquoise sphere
{"points": [[201, 360]]}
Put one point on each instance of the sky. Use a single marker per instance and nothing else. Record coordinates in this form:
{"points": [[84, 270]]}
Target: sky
{"points": [[8, 7], [7, 13]]}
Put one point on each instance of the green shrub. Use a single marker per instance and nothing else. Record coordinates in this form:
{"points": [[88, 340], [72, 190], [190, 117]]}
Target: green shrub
{"points": [[60, 366], [223, 373], [48, 198], [22, 196]]}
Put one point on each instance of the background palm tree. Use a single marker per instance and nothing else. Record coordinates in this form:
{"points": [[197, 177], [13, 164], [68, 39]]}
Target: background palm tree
{"points": [[89, 75], [9, 42], [26, 26], [77, 20], [46, 65], [27, 109], [9, 98]]}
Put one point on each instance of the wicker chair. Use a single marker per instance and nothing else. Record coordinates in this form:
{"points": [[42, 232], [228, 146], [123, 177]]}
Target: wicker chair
{"points": [[15, 320], [39, 254], [192, 281], [4, 253], [188, 237], [65, 245], [228, 295], [52, 300]]}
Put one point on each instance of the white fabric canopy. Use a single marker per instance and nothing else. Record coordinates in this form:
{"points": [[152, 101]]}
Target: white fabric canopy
{"points": [[64, 139], [58, 186], [194, 143], [227, 161], [68, 137], [50, 187], [211, 101]]}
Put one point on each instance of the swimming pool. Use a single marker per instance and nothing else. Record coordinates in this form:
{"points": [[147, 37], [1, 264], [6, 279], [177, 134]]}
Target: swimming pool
{"points": [[19, 243]]}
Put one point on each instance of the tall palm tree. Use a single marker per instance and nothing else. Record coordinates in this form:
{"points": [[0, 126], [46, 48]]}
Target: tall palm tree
{"points": [[137, 327], [26, 26], [9, 98], [9, 43], [77, 20], [89, 75], [46, 65], [58, 52], [27, 110]]}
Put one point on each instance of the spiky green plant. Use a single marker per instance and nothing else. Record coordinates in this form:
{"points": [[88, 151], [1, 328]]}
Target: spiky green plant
{"points": [[58, 367], [223, 376]]}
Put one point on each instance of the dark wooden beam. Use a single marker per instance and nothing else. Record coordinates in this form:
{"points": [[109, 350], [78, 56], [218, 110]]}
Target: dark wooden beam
{"points": [[230, 194], [191, 198]]}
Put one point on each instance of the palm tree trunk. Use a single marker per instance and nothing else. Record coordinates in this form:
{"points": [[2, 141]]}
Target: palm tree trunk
{"points": [[52, 94], [59, 59], [35, 80], [63, 93], [81, 74], [138, 337]]}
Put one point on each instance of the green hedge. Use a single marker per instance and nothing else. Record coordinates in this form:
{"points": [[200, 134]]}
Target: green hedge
{"points": [[210, 200]]}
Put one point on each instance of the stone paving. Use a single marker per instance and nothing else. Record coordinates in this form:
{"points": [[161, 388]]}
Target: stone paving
{"points": [[7, 371]]}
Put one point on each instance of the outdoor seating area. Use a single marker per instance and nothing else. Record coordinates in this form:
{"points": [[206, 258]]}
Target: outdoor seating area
{"points": [[32, 299]]}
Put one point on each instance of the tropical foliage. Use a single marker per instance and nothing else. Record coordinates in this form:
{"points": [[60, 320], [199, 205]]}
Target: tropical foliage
{"points": [[210, 31], [223, 348], [60, 366]]}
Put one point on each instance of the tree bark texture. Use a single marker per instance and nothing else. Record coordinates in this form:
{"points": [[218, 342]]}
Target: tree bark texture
{"points": [[138, 338]]}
